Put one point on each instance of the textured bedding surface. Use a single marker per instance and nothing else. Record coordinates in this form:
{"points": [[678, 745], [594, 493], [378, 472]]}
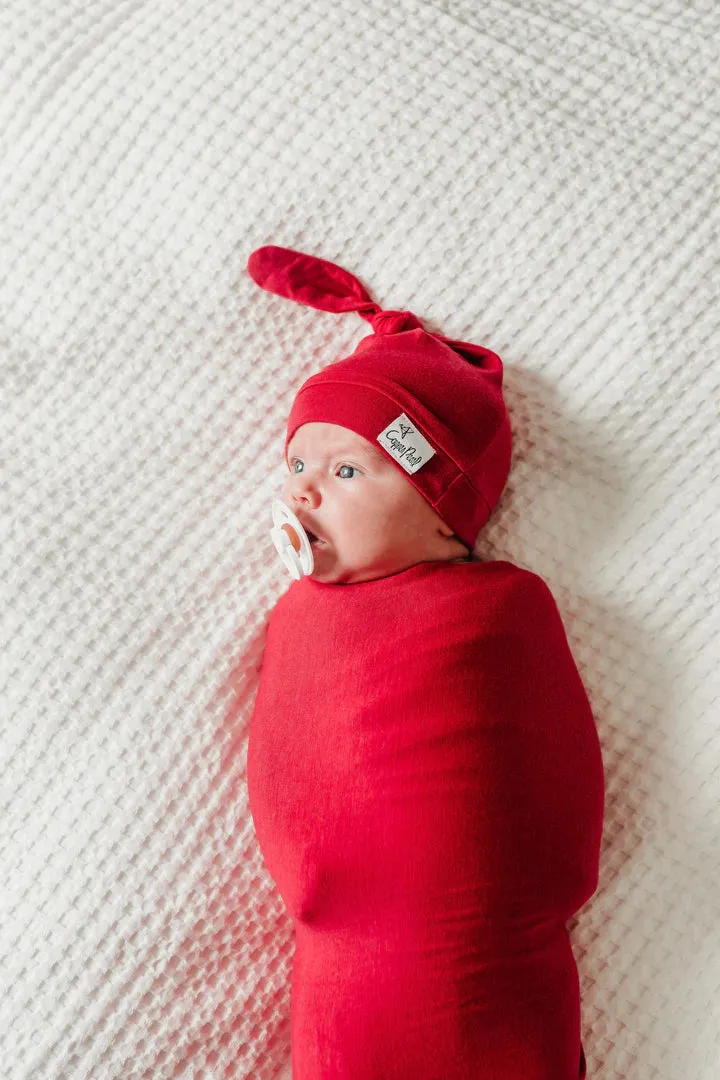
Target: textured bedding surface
{"points": [[537, 177]]}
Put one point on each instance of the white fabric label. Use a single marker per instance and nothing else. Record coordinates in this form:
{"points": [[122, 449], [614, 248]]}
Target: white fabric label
{"points": [[403, 440]]}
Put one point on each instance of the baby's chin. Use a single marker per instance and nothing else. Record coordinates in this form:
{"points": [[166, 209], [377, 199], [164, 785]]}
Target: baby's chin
{"points": [[325, 561], [329, 568]]}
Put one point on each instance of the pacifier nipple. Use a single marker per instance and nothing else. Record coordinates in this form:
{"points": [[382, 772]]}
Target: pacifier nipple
{"points": [[291, 541]]}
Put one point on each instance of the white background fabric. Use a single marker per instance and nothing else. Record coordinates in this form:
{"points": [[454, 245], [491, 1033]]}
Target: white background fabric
{"points": [[538, 177]]}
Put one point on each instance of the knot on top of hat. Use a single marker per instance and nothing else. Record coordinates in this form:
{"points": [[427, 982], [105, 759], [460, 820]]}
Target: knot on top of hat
{"points": [[394, 322], [309, 280], [324, 285]]}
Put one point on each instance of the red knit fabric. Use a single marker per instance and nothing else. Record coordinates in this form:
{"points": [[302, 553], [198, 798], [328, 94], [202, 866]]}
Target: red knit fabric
{"points": [[426, 783]]}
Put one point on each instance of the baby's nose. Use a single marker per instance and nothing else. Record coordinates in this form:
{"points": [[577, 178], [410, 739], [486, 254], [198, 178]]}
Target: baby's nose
{"points": [[299, 488]]}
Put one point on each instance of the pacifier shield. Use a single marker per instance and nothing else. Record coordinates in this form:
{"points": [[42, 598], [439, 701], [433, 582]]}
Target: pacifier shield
{"points": [[291, 541]]}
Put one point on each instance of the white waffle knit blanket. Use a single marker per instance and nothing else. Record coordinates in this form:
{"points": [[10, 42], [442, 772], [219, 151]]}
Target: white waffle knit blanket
{"points": [[537, 176]]}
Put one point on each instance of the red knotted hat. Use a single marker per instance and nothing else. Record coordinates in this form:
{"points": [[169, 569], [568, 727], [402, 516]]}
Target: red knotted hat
{"points": [[433, 405]]}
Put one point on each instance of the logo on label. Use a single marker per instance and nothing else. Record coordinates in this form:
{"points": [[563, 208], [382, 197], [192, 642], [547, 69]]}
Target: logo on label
{"points": [[404, 442]]}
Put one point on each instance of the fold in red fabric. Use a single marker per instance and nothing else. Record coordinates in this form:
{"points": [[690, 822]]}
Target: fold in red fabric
{"points": [[426, 782]]}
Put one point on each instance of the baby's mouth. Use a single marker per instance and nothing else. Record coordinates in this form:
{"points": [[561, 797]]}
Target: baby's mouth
{"points": [[315, 541]]}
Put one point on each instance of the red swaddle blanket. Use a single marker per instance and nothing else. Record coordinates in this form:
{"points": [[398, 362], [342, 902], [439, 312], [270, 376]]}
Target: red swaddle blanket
{"points": [[426, 783]]}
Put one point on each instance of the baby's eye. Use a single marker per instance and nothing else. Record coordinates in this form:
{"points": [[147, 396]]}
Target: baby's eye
{"points": [[297, 461]]}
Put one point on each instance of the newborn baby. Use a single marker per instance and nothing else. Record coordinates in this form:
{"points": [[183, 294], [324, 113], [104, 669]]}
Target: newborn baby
{"points": [[424, 771]]}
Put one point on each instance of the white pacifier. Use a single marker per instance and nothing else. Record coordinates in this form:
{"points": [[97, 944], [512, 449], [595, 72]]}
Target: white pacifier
{"points": [[291, 541]]}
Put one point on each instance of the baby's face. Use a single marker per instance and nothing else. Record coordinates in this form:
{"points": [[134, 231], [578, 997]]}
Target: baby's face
{"points": [[371, 519]]}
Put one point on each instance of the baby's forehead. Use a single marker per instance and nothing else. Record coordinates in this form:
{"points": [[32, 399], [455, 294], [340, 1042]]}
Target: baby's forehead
{"points": [[324, 438]]}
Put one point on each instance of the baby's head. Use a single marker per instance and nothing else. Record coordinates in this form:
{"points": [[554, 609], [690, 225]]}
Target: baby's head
{"points": [[417, 419], [372, 522]]}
